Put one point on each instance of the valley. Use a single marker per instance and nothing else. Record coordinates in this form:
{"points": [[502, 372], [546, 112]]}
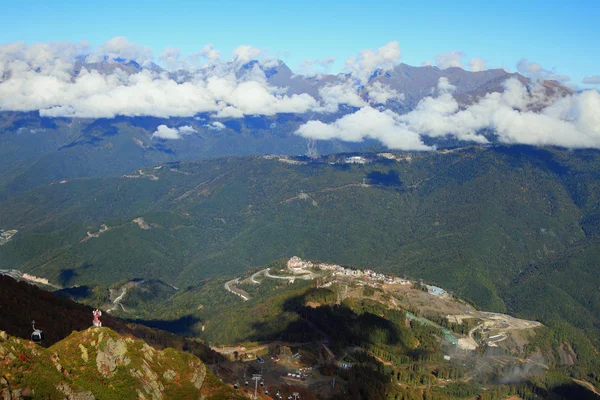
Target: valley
{"points": [[192, 252]]}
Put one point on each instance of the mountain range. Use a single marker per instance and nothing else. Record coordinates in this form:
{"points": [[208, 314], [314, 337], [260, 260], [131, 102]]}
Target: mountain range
{"points": [[37, 150], [184, 201]]}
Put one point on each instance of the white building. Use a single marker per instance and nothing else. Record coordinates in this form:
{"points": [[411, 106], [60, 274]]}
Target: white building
{"points": [[355, 160], [297, 264]]}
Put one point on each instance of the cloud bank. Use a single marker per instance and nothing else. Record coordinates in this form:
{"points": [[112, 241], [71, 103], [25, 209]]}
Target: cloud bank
{"points": [[571, 122], [366, 123], [65, 79]]}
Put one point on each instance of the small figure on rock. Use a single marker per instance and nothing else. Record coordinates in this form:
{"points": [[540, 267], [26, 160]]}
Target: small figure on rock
{"points": [[97, 313]]}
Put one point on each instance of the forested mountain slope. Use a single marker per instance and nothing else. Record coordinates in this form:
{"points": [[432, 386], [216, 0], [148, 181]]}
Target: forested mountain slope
{"points": [[470, 219]]}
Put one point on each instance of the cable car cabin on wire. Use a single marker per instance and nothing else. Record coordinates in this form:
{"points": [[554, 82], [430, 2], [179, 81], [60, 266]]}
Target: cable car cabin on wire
{"points": [[37, 336]]}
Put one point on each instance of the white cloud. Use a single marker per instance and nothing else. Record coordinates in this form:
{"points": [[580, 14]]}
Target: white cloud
{"points": [[216, 125], [591, 80], [571, 122], [323, 66], [568, 123], [207, 56], [47, 59], [444, 85], [246, 53], [93, 95], [343, 93], [363, 66], [536, 72], [186, 130], [166, 133], [365, 123], [229, 112], [170, 56], [477, 64], [528, 68], [379, 93], [210, 53], [251, 97], [40, 78], [121, 47], [43, 77], [449, 59]]}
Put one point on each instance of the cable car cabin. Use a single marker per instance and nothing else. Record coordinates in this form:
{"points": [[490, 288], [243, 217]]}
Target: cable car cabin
{"points": [[37, 336]]}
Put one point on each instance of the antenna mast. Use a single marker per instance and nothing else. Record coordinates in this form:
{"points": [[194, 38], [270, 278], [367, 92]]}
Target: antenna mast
{"points": [[256, 378], [311, 145]]}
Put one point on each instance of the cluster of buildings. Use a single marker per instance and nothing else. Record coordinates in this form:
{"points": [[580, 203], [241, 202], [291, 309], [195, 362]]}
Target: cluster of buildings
{"points": [[371, 275], [296, 265]]}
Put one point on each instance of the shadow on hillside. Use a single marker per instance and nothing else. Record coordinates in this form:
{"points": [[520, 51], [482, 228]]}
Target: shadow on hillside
{"points": [[522, 154], [182, 326], [338, 324], [161, 146], [75, 293], [299, 331], [566, 391], [66, 276], [390, 178]]}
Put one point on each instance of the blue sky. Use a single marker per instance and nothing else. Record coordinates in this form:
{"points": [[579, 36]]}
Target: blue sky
{"points": [[561, 35]]}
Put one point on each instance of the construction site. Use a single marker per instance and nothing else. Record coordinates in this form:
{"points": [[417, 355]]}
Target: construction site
{"points": [[279, 370]]}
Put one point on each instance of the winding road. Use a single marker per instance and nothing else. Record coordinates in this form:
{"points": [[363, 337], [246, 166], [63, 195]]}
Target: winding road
{"points": [[229, 286], [117, 301], [290, 277]]}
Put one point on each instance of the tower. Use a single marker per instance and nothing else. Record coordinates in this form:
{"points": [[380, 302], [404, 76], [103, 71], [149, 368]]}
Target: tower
{"points": [[97, 313]]}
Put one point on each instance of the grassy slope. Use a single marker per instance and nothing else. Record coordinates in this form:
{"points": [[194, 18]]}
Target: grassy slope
{"points": [[43, 370]]}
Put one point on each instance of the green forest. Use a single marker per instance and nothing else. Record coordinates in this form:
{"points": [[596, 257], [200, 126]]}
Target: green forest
{"points": [[508, 228]]}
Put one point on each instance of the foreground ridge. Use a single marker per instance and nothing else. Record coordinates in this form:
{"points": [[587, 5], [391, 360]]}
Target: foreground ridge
{"points": [[98, 363]]}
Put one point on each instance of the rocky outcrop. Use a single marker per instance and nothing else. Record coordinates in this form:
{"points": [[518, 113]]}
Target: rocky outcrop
{"points": [[113, 354], [72, 395], [94, 364], [150, 383], [199, 374], [84, 353]]}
